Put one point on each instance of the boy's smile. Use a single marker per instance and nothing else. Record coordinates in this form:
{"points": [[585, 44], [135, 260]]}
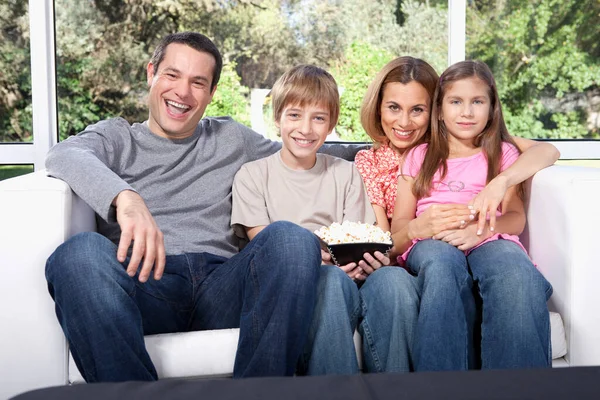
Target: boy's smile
{"points": [[303, 130]]}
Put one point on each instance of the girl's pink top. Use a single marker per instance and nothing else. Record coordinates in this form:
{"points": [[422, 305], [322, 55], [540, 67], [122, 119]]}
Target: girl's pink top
{"points": [[379, 170], [466, 177]]}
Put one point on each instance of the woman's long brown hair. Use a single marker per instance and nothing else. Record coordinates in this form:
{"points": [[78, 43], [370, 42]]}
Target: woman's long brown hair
{"points": [[490, 140], [403, 70]]}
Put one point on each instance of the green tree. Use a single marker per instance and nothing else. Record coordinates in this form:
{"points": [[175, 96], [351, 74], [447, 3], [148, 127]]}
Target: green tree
{"points": [[539, 51], [353, 74], [15, 73]]}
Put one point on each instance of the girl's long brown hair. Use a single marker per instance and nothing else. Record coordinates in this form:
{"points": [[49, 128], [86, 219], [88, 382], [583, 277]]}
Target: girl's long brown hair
{"points": [[490, 140]]}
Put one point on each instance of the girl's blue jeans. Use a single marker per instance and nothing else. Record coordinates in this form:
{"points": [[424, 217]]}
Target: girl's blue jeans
{"points": [[496, 285], [268, 290]]}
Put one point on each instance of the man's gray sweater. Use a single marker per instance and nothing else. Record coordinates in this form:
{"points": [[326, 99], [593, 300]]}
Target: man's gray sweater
{"points": [[185, 183]]}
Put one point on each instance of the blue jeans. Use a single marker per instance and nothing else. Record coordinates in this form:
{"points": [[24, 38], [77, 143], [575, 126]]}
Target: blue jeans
{"points": [[268, 290], [330, 345], [385, 309], [390, 307], [515, 327]]}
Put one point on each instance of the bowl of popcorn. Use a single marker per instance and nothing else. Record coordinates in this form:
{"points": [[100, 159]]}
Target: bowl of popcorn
{"points": [[349, 241]]}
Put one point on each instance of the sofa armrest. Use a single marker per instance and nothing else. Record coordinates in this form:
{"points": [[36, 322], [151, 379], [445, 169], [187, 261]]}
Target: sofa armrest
{"points": [[562, 219], [37, 213]]}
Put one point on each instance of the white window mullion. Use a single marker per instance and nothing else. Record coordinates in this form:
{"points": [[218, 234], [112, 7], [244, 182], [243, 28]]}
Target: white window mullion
{"points": [[43, 79], [457, 12]]}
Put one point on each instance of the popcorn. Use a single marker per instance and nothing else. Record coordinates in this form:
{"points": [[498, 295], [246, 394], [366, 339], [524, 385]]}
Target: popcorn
{"points": [[353, 232]]}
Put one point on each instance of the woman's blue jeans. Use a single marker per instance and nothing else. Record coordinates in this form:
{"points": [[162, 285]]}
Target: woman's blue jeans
{"points": [[515, 326], [268, 290]]}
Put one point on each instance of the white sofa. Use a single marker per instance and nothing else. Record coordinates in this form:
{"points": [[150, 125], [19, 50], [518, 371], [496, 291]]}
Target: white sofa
{"points": [[37, 213]]}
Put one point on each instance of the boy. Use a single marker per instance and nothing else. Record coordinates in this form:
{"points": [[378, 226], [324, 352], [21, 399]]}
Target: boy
{"points": [[312, 190]]}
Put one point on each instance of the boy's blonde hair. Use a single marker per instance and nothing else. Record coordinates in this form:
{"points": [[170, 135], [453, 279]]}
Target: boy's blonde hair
{"points": [[306, 85]]}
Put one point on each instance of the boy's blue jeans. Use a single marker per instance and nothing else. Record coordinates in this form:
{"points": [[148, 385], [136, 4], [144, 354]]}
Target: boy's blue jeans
{"points": [[268, 290], [515, 326], [385, 309]]}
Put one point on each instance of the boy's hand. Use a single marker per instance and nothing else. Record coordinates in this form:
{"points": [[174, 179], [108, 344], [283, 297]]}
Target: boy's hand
{"points": [[138, 226], [463, 239], [353, 271], [373, 263], [326, 257]]}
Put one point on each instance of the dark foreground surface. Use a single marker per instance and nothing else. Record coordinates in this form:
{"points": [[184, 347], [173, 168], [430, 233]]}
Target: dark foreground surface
{"points": [[558, 383]]}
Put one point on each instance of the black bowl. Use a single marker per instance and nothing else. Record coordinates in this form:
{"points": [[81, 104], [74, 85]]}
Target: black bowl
{"points": [[345, 253]]}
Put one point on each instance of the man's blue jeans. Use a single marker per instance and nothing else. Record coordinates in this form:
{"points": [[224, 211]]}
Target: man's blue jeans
{"points": [[268, 290], [385, 309], [515, 326]]}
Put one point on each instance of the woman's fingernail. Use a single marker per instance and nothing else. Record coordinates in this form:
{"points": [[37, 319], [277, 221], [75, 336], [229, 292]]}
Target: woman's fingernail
{"points": [[479, 232], [471, 217], [492, 228], [470, 207]]}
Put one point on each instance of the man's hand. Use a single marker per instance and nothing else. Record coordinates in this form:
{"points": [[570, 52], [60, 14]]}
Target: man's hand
{"points": [[353, 271], [439, 218], [138, 225], [373, 263]]}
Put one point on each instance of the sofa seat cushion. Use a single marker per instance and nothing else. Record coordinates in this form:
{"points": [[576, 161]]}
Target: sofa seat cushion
{"points": [[210, 354]]}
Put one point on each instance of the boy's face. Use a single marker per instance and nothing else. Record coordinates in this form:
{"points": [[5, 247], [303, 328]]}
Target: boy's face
{"points": [[303, 131], [179, 91]]}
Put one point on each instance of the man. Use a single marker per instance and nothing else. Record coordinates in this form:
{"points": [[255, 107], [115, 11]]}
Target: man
{"points": [[165, 258]]}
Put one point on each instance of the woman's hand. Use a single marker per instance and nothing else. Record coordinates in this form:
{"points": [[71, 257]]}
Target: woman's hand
{"points": [[439, 218], [487, 202]]}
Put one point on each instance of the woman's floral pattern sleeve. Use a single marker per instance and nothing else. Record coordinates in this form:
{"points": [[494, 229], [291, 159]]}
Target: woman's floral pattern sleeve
{"points": [[367, 167]]}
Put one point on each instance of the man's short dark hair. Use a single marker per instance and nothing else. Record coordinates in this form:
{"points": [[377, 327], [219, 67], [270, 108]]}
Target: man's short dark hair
{"points": [[196, 41]]}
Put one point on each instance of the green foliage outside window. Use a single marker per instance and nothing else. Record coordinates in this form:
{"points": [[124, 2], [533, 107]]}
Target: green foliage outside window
{"points": [[544, 53]]}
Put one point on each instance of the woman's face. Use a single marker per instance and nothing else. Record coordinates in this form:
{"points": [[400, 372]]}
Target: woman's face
{"points": [[405, 110]]}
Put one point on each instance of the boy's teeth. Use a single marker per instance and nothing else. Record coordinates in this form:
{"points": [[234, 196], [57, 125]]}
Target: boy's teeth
{"points": [[303, 141]]}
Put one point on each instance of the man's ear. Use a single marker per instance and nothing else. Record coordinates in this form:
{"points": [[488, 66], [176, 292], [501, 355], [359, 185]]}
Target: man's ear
{"points": [[150, 73], [214, 90]]}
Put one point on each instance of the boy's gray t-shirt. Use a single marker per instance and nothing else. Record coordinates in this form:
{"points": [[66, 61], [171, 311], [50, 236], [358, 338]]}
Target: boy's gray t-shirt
{"points": [[185, 183], [267, 190]]}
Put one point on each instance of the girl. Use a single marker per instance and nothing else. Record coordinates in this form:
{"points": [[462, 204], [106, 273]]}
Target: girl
{"points": [[469, 147]]}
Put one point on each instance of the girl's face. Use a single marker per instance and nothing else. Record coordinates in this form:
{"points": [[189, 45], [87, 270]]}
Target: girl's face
{"points": [[405, 111], [466, 109]]}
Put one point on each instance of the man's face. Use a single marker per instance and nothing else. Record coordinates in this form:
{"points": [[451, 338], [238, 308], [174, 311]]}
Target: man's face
{"points": [[179, 91]]}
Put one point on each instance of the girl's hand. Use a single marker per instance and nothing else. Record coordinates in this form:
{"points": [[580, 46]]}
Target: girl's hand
{"points": [[463, 239], [373, 263], [353, 271], [487, 202], [439, 218]]}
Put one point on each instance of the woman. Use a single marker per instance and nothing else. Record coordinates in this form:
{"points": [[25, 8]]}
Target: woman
{"points": [[396, 114]]}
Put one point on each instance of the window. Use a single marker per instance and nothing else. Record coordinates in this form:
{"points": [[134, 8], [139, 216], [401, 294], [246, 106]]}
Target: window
{"points": [[546, 60], [15, 79], [102, 47]]}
